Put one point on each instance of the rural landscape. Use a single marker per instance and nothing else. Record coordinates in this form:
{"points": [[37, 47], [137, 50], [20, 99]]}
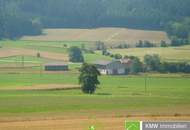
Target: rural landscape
{"points": [[88, 69]]}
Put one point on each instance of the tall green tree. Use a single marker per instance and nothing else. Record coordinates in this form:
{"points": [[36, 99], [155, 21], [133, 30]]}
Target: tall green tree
{"points": [[89, 78], [136, 66], [75, 54], [152, 62]]}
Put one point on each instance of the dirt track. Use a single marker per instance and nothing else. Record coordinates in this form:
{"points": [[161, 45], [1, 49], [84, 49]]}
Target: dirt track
{"points": [[112, 123], [7, 52]]}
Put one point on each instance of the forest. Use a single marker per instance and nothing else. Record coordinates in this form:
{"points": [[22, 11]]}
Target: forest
{"points": [[26, 17]]}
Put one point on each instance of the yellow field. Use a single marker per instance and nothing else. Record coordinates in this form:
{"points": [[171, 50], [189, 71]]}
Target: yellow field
{"points": [[109, 35], [169, 53]]}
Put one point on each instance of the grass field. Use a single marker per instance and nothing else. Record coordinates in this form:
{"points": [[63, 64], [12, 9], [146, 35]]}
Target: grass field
{"points": [[117, 96], [109, 35], [128, 92], [167, 54]]}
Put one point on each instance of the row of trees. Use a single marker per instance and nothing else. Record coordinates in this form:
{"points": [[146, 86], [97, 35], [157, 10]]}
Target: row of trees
{"points": [[179, 31], [26, 17], [14, 23], [92, 13], [153, 63]]}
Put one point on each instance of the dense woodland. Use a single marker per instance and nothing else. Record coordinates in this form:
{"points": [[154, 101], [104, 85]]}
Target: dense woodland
{"points": [[26, 17]]}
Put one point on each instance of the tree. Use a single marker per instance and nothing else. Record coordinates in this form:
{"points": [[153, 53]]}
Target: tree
{"points": [[89, 78], [163, 44], [140, 44], [75, 55], [152, 62], [136, 66]]}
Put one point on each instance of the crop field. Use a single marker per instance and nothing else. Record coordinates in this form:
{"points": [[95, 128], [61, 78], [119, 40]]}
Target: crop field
{"points": [[166, 54], [108, 35]]}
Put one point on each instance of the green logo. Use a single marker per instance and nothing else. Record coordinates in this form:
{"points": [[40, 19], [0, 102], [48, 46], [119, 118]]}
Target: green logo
{"points": [[132, 125], [92, 128]]}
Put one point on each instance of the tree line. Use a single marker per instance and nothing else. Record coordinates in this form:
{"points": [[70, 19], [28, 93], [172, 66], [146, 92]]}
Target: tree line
{"points": [[26, 17], [14, 23]]}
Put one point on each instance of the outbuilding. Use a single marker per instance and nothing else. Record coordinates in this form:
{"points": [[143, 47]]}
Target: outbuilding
{"points": [[56, 67]]}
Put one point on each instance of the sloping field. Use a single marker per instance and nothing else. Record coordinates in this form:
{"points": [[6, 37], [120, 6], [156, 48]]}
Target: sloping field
{"points": [[110, 35], [167, 54], [7, 52]]}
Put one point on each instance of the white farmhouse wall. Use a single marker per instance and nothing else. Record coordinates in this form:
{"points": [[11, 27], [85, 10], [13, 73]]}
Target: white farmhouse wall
{"points": [[103, 71]]}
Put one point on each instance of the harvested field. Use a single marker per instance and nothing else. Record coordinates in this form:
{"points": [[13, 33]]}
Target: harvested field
{"points": [[109, 35], [8, 52]]}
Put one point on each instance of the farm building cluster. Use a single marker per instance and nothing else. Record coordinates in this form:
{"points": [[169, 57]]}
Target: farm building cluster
{"points": [[114, 67]]}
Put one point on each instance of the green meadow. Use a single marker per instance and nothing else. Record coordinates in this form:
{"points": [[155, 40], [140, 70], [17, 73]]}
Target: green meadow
{"points": [[115, 93]]}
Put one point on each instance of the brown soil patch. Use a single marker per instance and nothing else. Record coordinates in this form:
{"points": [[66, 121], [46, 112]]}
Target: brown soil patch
{"points": [[7, 52]]}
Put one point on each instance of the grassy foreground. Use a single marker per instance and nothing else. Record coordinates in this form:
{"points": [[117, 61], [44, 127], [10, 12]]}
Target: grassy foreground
{"points": [[120, 95]]}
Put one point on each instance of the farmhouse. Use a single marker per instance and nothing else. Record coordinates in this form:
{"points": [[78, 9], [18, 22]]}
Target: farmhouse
{"points": [[56, 67], [115, 67]]}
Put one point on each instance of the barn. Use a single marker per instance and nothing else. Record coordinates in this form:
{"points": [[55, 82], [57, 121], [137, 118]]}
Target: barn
{"points": [[56, 67], [114, 67]]}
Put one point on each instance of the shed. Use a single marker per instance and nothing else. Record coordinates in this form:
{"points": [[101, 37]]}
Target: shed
{"points": [[56, 67]]}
